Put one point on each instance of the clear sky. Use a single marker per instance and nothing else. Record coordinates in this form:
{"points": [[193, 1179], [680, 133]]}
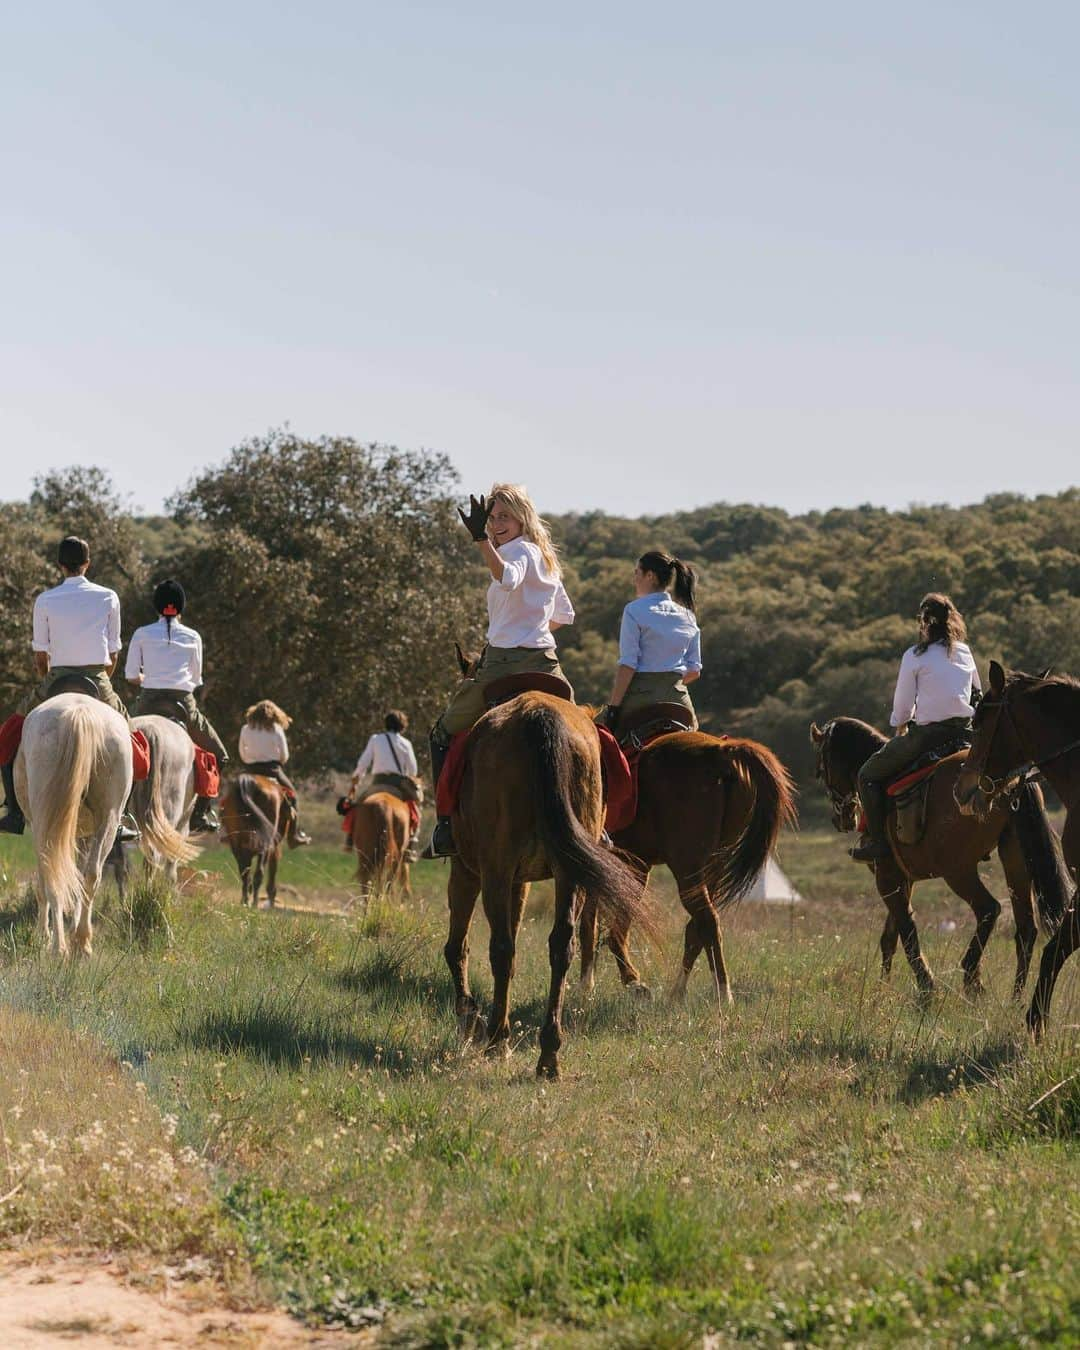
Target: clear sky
{"points": [[637, 256]]}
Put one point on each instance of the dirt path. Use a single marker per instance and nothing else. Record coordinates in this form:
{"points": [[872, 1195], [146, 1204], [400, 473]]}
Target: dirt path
{"points": [[91, 1303]]}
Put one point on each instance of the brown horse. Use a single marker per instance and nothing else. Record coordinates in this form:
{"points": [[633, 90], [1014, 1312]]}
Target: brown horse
{"points": [[530, 807], [255, 816], [380, 836], [1030, 724], [711, 809], [951, 848]]}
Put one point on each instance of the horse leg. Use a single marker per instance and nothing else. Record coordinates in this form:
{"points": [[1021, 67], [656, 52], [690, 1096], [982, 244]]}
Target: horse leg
{"points": [[618, 941], [243, 862], [561, 953], [588, 930], [1018, 881], [895, 890], [1056, 952], [503, 902], [968, 886], [462, 892], [271, 876], [256, 880], [702, 931], [93, 865], [889, 938]]}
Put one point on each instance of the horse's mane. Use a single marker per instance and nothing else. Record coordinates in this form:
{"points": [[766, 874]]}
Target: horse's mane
{"points": [[851, 740], [1058, 696]]}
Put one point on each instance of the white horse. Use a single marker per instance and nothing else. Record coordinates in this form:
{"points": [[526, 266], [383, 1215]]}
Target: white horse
{"points": [[73, 776], [162, 804]]}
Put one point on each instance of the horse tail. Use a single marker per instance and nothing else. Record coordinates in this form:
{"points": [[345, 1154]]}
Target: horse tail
{"points": [[57, 798], [158, 831], [262, 827], [572, 852], [1043, 858], [770, 806]]}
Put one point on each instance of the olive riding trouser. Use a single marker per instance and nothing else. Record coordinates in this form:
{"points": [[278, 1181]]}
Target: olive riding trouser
{"points": [[179, 706], [895, 755], [663, 686], [467, 705], [97, 676]]}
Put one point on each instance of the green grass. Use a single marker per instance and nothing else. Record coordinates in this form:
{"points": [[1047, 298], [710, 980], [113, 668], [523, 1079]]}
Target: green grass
{"points": [[828, 1163]]}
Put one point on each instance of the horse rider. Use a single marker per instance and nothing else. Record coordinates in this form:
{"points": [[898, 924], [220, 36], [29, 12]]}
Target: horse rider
{"points": [[388, 761], [936, 691], [165, 663], [76, 634], [264, 750], [659, 640], [526, 602]]}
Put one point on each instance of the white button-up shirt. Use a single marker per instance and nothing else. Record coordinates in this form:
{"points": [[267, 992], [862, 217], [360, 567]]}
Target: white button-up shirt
{"points": [[263, 745], [166, 657], [77, 623], [658, 634], [935, 685], [377, 756], [526, 600]]}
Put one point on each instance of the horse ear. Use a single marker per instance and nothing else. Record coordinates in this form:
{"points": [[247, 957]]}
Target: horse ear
{"points": [[1046, 673], [816, 733], [997, 677], [462, 660]]}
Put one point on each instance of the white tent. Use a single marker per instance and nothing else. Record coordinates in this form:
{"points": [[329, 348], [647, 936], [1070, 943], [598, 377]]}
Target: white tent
{"points": [[772, 886]]}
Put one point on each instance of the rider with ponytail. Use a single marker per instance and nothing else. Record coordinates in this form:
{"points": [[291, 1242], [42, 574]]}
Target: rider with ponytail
{"points": [[164, 662], [936, 693], [659, 641], [526, 602]]}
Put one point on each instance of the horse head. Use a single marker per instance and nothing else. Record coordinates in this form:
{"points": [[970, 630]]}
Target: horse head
{"points": [[839, 777]]}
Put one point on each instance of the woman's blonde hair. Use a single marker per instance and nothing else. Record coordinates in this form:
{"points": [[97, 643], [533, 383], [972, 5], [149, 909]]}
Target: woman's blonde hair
{"points": [[266, 714], [517, 501]]}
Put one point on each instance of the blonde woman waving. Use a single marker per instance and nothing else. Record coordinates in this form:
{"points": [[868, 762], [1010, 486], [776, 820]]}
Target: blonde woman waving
{"points": [[526, 602]]}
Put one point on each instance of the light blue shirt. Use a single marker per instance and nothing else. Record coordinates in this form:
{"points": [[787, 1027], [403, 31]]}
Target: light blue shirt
{"points": [[659, 635]]}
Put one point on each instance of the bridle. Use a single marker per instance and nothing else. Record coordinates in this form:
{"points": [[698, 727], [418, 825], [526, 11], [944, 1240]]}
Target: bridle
{"points": [[842, 802], [1010, 782]]}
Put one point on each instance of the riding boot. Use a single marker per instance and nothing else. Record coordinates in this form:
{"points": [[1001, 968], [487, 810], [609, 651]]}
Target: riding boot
{"points": [[873, 845], [294, 834], [442, 837], [204, 818], [14, 822]]}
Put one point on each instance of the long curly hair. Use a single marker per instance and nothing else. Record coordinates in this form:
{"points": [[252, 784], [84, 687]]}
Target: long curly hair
{"points": [[943, 621], [266, 715], [517, 501]]}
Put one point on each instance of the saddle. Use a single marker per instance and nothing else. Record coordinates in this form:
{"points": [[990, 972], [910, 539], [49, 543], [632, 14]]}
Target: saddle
{"points": [[510, 686], [643, 725], [908, 792], [74, 684]]}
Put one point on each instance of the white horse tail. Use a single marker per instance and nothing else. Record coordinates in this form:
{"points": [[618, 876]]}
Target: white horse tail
{"points": [[158, 833], [57, 799]]}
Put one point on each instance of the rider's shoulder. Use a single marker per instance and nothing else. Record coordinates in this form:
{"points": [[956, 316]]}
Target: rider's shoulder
{"points": [[519, 548]]}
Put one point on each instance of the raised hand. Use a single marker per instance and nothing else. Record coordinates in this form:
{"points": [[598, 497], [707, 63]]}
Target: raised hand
{"points": [[476, 521]]}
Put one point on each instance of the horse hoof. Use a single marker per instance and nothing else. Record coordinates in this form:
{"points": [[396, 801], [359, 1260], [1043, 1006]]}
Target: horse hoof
{"points": [[472, 1027], [639, 991], [925, 997], [974, 990], [499, 1049], [725, 995], [1036, 1026], [548, 1068]]}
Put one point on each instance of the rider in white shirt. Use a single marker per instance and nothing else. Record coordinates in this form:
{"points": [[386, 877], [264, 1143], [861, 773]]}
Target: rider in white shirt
{"points": [[659, 639], [164, 662], [76, 640], [387, 763], [264, 750], [526, 602], [936, 693]]}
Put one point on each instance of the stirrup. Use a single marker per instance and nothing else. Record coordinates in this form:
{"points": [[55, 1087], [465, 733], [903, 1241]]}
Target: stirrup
{"points": [[870, 849], [442, 843]]}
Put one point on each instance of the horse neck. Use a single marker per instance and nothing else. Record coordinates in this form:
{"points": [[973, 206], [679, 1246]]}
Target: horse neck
{"points": [[860, 742], [1047, 723]]}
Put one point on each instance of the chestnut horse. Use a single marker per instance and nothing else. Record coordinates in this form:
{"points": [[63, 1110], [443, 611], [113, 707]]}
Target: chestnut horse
{"points": [[951, 848], [711, 809], [530, 807], [1030, 724], [255, 816], [380, 835]]}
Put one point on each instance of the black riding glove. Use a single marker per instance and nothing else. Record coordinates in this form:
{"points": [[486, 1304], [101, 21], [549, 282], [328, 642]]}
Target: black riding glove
{"points": [[476, 521], [609, 716]]}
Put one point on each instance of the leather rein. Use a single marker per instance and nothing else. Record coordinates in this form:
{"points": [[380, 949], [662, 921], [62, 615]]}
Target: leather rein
{"points": [[1010, 783]]}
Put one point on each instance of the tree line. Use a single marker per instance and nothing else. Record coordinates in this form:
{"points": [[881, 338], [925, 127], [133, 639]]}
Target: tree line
{"points": [[334, 577]]}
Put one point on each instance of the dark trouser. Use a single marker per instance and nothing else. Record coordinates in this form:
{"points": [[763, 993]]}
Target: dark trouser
{"points": [[649, 687], [467, 704], [271, 768], [895, 755], [180, 706], [57, 674]]}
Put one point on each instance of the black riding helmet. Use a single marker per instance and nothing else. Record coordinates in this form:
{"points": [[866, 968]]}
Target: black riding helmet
{"points": [[169, 599]]}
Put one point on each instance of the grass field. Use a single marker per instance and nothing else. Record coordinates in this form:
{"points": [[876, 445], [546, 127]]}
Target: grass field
{"points": [[283, 1094]]}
